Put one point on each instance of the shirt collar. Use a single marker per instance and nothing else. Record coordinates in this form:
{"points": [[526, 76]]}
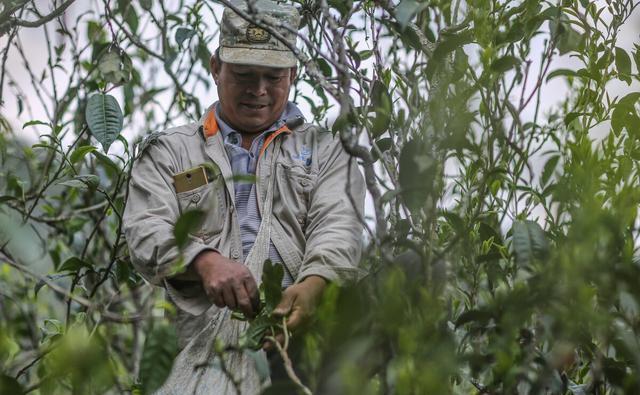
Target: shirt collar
{"points": [[290, 112]]}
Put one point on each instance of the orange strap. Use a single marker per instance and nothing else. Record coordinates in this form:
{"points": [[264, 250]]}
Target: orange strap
{"points": [[211, 128], [210, 124], [269, 139]]}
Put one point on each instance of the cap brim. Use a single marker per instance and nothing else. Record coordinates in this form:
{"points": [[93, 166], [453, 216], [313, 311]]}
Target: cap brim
{"points": [[258, 57]]}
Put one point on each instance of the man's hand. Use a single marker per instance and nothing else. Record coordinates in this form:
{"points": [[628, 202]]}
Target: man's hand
{"points": [[227, 283], [298, 303]]}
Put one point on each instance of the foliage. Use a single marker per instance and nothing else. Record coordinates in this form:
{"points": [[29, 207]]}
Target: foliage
{"points": [[502, 249]]}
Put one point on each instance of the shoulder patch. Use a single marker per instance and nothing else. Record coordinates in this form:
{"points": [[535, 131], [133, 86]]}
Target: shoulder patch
{"points": [[152, 138], [149, 139]]}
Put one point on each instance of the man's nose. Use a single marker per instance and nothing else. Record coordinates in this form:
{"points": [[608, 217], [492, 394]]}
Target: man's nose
{"points": [[258, 86]]}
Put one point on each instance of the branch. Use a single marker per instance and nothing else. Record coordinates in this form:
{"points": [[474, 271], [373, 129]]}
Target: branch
{"points": [[39, 22], [288, 365]]}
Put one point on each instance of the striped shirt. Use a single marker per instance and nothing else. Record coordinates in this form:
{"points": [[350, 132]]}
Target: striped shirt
{"points": [[243, 165]]}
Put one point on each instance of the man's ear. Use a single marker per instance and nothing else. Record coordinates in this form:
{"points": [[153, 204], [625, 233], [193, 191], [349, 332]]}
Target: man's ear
{"points": [[293, 74], [215, 67]]}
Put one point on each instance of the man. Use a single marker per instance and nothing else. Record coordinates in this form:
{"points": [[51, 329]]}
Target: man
{"points": [[297, 212]]}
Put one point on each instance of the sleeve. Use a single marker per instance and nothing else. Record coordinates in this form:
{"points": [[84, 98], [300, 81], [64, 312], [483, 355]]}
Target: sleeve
{"points": [[149, 218], [335, 215]]}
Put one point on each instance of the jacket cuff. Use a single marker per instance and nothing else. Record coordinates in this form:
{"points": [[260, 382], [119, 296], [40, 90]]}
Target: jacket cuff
{"points": [[185, 289], [336, 275]]}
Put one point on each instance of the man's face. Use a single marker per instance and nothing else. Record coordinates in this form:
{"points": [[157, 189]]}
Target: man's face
{"points": [[252, 98]]}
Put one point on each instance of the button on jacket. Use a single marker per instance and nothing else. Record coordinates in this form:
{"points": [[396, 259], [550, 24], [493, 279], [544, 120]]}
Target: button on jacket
{"points": [[311, 211]]}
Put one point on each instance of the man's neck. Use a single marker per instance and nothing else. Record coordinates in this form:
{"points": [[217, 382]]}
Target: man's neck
{"points": [[247, 137]]}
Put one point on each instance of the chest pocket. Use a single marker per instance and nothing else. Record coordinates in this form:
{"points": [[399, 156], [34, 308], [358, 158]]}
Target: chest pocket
{"points": [[294, 186], [210, 199]]}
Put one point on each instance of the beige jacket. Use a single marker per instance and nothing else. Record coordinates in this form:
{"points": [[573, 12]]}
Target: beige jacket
{"points": [[311, 212]]}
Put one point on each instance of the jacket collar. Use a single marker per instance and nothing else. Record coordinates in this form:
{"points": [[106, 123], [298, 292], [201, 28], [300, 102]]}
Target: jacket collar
{"points": [[290, 119]]}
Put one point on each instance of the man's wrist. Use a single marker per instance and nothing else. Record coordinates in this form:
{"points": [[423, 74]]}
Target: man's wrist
{"points": [[315, 282], [204, 259]]}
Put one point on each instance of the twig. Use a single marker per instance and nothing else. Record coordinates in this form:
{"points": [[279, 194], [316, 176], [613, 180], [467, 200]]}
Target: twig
{"points": [[288, 365], [5, 56], [39, 22], [282, 350]]}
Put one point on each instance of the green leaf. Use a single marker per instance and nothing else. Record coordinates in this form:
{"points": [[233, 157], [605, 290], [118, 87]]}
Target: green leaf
{"points": [[568, 39], [146, 4], [35, 122], [549, 168], [252, 337], [187, 223], [406, 10], [104, 119], [160, 348], [618, 118], [450, 42], [9, 385], [480, 316], [629, 99], [95, 32], [623, 62], [561, 72], [447, 44], [417, 174], [204, 55], [106, 161], [343, 121], [115, 65], [324, 67], [175, 18], [366, 54], [51, 277], [570, 117], [131, 18], [624, 116], [244, 178], [504, 64], [79, 153], [343, 6], [529, 242], [272, 274], [184, 33], [384, 144], [82, 181], [73, 264], [454, 220], [382, 105]]}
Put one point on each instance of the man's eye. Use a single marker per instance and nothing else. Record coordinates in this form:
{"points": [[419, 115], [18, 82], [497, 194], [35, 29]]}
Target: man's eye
{"points": [[274, 78]]}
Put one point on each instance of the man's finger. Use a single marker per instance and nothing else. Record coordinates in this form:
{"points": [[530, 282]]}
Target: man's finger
{"points": [[229, 298], [267, 345], [216, 297], [284, 307], [295, 319], [244, 302], [252, 290]]}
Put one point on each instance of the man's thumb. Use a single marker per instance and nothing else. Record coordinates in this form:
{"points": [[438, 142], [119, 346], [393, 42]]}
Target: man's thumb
{"points": [[284, 307]]}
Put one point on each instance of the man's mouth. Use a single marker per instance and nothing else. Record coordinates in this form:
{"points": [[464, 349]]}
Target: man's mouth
{"points": [[254, 106]]}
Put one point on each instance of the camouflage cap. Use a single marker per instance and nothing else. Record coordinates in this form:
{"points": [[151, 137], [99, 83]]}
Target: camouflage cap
{"points": [[242, 42]]}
